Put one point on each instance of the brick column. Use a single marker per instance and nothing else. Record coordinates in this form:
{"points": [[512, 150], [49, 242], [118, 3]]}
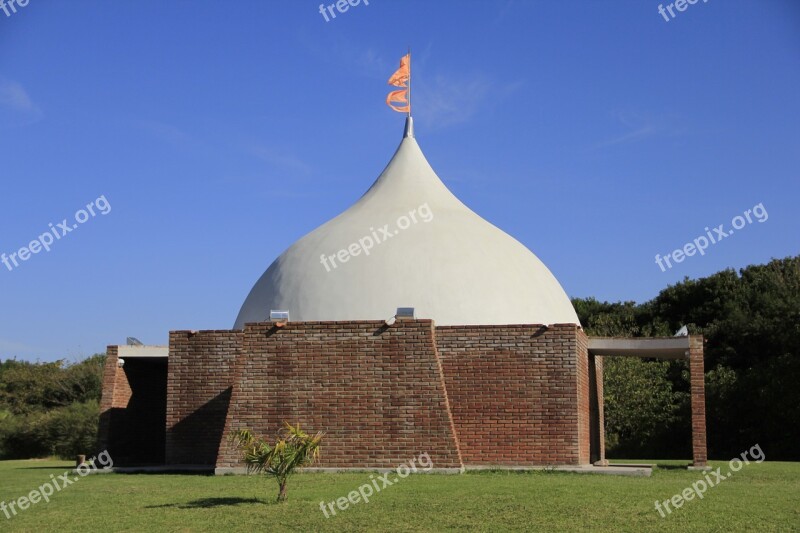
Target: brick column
{"points": [[698, 391], [599, 425], [114, 398]]}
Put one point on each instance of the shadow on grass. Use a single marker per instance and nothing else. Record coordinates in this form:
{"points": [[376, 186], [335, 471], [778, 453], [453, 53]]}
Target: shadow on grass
{"points": [[66, 466], [205, 503], [177, 472], [672, 467], [206, 473]]}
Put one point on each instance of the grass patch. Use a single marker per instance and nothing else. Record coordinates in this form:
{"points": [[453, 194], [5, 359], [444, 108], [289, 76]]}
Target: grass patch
{"points": [[761, 497]]}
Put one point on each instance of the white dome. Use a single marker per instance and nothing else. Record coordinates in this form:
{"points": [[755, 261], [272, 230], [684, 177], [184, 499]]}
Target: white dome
{"points": [[450, 265]]}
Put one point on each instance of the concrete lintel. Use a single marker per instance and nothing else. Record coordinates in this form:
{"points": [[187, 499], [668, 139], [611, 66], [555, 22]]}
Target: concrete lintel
{"points": [[658, 347], [131, 352]]}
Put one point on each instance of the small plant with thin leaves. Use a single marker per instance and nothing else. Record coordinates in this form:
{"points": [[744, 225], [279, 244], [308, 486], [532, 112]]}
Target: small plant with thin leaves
{"points": [[294, 448]]}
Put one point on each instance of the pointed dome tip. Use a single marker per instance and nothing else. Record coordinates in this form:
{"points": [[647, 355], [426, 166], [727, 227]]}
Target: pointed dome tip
{"points": [[409, 131]]}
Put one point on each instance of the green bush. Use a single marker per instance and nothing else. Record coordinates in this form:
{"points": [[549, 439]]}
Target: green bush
{"points": [[64, 432], [49, 409], [72, 430]]}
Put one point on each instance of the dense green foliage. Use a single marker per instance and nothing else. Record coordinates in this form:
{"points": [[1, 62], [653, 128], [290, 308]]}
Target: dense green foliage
{"points": [[49, 408], [751, 324]]}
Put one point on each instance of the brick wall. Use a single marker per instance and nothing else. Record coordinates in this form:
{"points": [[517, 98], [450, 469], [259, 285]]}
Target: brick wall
{"points": [[199, 384], [698, 400], [514, 393], [599, 424], [378, 393], [116, 389], [114, 398], [474, 395], [584, 404]]}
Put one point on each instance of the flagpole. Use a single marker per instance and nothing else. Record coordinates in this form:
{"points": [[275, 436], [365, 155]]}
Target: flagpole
{"points": [[409, 82]]}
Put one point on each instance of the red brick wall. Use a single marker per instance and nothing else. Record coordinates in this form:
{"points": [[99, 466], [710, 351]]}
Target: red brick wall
{"points": [[600, 424], [116, 390], [698, 400], [199, 383], [514, 392], [584, 414], [378, 393], [383, 395], [115, 395], [114, 399]]}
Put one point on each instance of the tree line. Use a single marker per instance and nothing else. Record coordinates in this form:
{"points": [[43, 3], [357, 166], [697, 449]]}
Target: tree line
{"points": [[751, 323], [49, 409]]}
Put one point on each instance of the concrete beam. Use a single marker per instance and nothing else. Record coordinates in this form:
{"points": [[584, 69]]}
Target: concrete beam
{"points": [[657, 347], [132, 352]]}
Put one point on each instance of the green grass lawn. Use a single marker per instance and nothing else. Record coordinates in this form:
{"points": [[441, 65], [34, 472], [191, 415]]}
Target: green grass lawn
{"points": [[760, 497]]}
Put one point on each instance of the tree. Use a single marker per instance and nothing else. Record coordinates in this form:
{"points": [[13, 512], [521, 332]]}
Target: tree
{"points": [[294, 448], [751, 323]]}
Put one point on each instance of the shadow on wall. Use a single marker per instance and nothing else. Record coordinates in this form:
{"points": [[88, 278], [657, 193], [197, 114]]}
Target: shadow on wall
{"points": [[138, 430], [195, 440]]}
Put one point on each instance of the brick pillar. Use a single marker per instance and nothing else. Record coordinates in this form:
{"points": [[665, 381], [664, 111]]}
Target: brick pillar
{"points": [[698, 390], [584, 397], [114, 397], [599, 424]]}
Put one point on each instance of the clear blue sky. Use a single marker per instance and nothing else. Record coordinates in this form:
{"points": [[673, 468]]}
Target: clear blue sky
{"points": [[596, 133]]}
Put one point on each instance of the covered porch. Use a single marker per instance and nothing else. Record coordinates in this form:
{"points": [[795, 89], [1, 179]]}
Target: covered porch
{"points": [[685, 347]]}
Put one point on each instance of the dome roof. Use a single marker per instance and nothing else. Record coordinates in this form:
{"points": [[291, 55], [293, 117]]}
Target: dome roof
{"points": [[409, 242]]}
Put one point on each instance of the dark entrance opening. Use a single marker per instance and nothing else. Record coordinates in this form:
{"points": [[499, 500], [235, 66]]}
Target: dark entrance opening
{"points": [[139, 430]]}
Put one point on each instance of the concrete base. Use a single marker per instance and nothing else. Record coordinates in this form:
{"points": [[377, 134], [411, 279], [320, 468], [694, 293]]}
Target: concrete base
{"points": [[639, 470], [700, 468], [614, 470], [332, 470]]}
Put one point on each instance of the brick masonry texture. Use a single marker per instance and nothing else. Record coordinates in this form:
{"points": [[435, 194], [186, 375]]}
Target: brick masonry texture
{"points": [[199, 385], [377, 392], [581, 355], [600, 424], [116, 394], [698, 400], [515, 395]]}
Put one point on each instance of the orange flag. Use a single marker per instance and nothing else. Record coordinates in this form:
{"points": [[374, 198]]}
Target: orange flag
{"points": [[398, 97], [401, 78]]}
